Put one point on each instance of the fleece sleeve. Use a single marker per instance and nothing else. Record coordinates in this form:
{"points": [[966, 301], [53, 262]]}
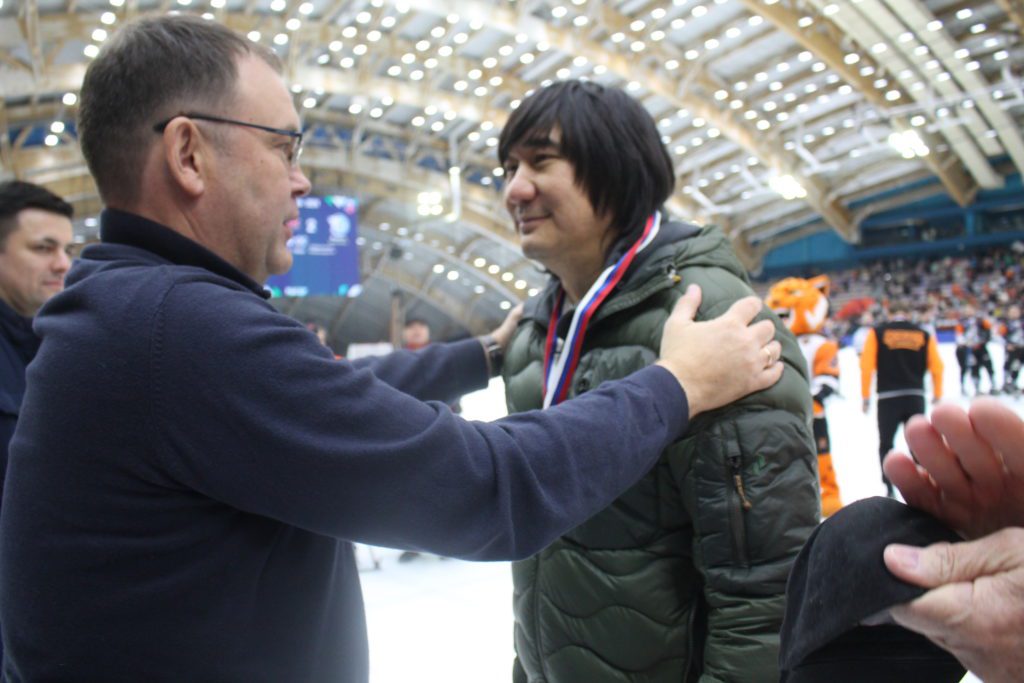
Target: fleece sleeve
{"points": [[252, 412]]}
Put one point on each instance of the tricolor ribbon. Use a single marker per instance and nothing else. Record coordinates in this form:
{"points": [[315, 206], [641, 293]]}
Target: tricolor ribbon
{"points": [[560, 361]]}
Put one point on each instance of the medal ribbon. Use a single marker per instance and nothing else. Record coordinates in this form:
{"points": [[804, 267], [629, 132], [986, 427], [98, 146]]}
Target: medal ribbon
{"points": [[560, 364]]}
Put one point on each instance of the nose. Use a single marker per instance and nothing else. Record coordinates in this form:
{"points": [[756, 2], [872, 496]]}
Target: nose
{"points": [[61, 262], [519, 189], [300, 183]]}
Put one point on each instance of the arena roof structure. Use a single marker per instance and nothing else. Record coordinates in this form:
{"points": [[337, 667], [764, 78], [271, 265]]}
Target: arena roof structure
{"points": [[783, 117]]}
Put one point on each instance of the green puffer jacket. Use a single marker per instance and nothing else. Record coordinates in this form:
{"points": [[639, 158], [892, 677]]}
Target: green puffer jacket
{"points": [[683, 577]]}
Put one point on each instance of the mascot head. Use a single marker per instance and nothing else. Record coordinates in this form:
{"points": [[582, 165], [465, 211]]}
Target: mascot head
{"points": [[802, 304]]}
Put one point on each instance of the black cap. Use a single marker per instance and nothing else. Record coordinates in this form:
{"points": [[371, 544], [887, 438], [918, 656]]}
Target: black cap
{"points": [[839, 580]]}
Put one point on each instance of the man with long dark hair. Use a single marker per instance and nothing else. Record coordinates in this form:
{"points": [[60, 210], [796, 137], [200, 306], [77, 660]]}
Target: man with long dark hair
{"points": [[683, 576]]}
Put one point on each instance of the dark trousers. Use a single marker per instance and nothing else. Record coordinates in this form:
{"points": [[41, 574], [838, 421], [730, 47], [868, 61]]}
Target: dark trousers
{"points": [[1012, 366], [893, 412]]}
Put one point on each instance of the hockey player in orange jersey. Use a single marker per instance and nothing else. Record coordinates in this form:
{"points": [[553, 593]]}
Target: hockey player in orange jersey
{"points": [[803, 306]]}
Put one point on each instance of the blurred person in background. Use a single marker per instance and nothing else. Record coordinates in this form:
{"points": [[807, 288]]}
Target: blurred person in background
{"points": [[900, 352]]}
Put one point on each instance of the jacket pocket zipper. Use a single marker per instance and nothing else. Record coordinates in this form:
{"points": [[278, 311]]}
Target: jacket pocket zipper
{"points": [[738, 504]]}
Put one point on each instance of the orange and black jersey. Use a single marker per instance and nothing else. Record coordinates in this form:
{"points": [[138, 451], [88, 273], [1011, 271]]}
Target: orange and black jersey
{"points": [[900, 352], [973, 332], [1013, 332]]}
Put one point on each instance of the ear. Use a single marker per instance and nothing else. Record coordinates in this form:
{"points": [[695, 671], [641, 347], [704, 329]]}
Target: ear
{"points": [[186, 156], [821, 283]]}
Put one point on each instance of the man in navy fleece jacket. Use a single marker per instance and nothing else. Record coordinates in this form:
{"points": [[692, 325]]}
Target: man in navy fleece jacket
{"points": [[191, 466]]}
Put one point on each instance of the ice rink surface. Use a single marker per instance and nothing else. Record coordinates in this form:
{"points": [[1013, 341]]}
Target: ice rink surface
{"points": [[434, 620]]}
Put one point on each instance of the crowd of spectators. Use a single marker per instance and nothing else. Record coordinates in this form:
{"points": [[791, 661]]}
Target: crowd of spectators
{"points": [[937, 289]]}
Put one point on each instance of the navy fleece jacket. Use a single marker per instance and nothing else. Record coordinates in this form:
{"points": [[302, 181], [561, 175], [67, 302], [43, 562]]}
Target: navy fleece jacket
{"points": [[190, 467]]}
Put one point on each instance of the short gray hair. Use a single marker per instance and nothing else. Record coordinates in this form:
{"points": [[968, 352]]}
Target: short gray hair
{"points": [[152, 69]]}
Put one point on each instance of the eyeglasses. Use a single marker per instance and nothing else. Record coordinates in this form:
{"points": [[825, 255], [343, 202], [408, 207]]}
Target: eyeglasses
{"points": [[296, 136]]}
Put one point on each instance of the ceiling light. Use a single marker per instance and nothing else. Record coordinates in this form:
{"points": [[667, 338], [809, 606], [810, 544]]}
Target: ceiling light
{"points": [[69, 99], [691, 55], [787, 186], [908, 143], [699, 11], [51, 140], [934, 25], [851, 58], [965, 13], [804, 22], [755, 20]]}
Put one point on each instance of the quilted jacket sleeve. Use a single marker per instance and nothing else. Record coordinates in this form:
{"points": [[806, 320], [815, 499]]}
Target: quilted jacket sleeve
{"points": [[750, 486]]}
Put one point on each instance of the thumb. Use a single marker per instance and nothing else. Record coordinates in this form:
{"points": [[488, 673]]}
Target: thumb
{"points": [[688, 303], [943, 563]]}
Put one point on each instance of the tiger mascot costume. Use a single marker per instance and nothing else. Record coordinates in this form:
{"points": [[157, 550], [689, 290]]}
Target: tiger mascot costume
{"points": [[803, 307]]}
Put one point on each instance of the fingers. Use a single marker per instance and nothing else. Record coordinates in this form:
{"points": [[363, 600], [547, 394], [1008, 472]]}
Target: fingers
{"points": [[932, 613], [913, 482], [935, 456], [948, 563], [688, 303], [981, 464], [745, 310], [1003, 429]]}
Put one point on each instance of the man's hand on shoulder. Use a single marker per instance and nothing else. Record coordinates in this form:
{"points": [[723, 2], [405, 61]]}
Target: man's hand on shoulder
{"points": [[719, 361]]}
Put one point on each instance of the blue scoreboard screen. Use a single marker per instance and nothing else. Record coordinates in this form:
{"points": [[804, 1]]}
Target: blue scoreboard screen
{"points": [[323, 246]]}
